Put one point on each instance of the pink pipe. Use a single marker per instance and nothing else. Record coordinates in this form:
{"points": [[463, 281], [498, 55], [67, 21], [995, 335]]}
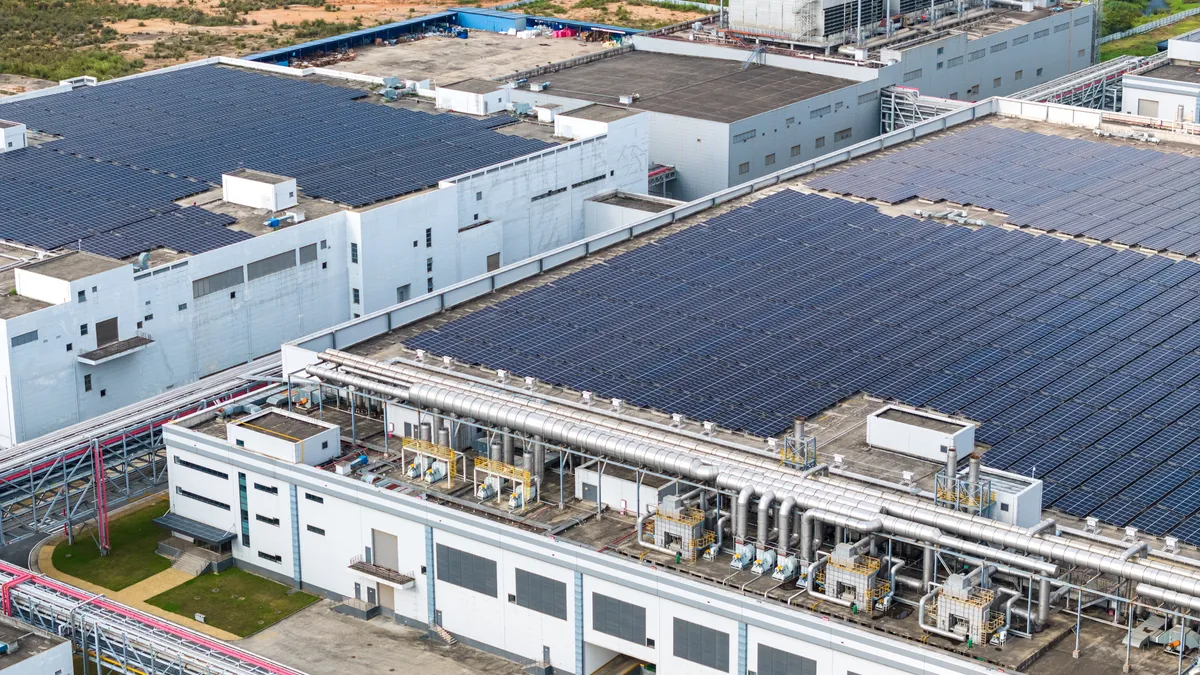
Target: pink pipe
{"points": [[177, 631]]}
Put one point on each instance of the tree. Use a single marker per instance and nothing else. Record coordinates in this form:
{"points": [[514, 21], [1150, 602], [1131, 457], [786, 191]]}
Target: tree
{"points": [[1120, 15]]}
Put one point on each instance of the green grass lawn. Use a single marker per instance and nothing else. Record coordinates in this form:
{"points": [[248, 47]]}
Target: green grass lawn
{"points": [[1146, 43], [234, 600], [133, 537]]}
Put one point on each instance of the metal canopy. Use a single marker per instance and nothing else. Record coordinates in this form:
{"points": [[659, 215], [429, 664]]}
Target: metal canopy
{"points": [[194, 529]]}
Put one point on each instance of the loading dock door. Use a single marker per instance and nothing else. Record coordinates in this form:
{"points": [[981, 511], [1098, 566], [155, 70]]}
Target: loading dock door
{"points": [[106, 332], [387, 597]]}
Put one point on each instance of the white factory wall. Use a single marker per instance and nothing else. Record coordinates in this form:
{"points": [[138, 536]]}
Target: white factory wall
{"points": [[54, 661], [1162, 99], [472, 103], [259, 194], [31, 284], [43, 387], [350, 510]]}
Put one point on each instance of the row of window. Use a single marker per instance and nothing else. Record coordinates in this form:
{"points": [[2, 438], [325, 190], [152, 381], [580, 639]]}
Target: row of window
{"points": [[279, 262], [769, 160], [973, 90]]}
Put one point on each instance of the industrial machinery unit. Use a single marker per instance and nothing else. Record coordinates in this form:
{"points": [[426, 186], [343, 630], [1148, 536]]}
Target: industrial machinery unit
{"points": [[680, 528], [852, 577], [966, 610]]}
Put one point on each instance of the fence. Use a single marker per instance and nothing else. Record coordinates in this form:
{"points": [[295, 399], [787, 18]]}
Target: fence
{"points": [[1147, 27]]}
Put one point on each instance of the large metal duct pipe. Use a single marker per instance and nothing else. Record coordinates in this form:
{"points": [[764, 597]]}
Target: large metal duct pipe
{"points": [[785, 523], [764, 519], [527, 458], [951, 467], [1042, 526], [539, 459], [1170, 597], [496, 450], [741, 522], [812, 517], [1043, 610], [809, 493], [510, 453], [973, 475], [934, 629], [443, 436], [927, 567]]}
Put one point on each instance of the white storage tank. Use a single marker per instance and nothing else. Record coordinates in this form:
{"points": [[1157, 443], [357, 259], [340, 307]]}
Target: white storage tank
{"points": [[919, 434], [259, 189]]}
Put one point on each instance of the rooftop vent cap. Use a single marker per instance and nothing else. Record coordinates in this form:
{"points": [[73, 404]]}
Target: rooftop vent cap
{"points": [[420, 356], [839, 460], [502, 375], [617, 404], [1171, 544], [586, 396], [906, 478], [448, 361], [1131, 534], [676, 420], [709, 427], [772, 444], [1093, 525], [530, 382]]}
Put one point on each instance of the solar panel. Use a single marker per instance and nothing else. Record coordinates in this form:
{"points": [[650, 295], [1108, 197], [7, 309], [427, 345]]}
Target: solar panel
{"points": [[720, 322]]}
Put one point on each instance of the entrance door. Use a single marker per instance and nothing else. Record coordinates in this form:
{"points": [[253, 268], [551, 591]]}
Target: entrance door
{"points": [[357, 591], [106, 332], [371, 595], [387, 597]]}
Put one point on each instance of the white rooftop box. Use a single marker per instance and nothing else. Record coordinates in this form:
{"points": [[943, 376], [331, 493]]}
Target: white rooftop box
{"points": [[1018, 498], [12, 136], [288, 436], [260, 190], [919, 434], [473, 97]]}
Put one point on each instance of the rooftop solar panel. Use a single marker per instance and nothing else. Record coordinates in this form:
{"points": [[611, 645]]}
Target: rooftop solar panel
{"points": [[1090, 405]]}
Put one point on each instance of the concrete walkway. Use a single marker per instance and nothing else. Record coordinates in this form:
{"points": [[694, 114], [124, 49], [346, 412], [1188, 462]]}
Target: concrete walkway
{"points": [[136, 595]]}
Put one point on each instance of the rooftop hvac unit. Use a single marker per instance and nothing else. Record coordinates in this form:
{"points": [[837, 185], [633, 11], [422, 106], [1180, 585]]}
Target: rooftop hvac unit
{"points": [[628, 99], [539, 86]]}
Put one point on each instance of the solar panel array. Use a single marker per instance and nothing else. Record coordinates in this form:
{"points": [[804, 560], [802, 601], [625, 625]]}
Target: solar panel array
{"points": [[51, 200], [1080, 361], [1106, 192], [205, 121]]}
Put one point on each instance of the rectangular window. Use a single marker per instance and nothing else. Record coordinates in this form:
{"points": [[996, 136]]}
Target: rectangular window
{"points": [[542, 594], [276, 263], [973, 90], [868, 97], [217, 282], [268, 556], [467, 570], [1061, 27], [182, 306], [795, 151], [1039, 72], [773, 661], [201, 468], [264, 519], [148, 317], [428, 237], [1041, 33], [403, 293], [744, 136], [429, 285], [82, 296], [547, 193], [316, 530], [493, 262], [244, 504], [429, 264], [844, 134], [87, 382], [353, 252], [956, 61], [619, 618], [1080, 54], [702, 645], [83, 329], [478, 196], [201, 498], [820, 142], [1020, 40], [593, 179], [769, 159], [314, 498], [912, 75], [743, 168], [269, 489], [999, 47], [996, 82], [790, 121], [1082, 21], [355, 294], [308, 254], [1018, 75], [24, 338], [941, 65], [941, 50], [976, 55], [819, 112]]}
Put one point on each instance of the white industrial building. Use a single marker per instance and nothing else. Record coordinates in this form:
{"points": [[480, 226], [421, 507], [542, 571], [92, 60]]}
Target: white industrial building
{"points": [[732, 103], [25, 651], [726, 439], [1169, 89], [89, 331]]}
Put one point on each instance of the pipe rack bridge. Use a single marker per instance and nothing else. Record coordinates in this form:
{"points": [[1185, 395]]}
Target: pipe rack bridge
{"points": [[49, 482], [120, 638]]}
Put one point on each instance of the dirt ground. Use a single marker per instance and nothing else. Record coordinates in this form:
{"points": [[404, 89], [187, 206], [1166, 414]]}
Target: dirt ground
{"points": [[335, 643]]}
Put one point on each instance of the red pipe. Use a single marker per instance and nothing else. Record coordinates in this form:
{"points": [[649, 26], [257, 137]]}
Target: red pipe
{"points": [[177, 631]]}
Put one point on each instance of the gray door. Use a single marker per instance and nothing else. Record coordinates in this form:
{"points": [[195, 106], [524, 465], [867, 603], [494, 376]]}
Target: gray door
{"points": [[589, 492], [386, 552], [106, 332], [357, 591], [371, 595]]}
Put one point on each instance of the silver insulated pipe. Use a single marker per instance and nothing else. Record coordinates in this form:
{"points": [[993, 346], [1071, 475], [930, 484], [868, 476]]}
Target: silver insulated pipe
{"points": [[951, 467], [736, 470]]}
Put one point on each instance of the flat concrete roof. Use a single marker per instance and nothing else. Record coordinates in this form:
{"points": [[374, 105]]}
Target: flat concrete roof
{"points": [[632, 201], [918, 419], [74, 265], [276, 422], [709, 89], [601, 113], [24, 644], [1176, 72], [5, 124], [474, 85], [259, 176]]}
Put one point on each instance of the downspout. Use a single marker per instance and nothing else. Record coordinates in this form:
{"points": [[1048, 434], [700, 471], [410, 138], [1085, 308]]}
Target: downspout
{"points": [[934, 629], [785, 522], [764, 519]]}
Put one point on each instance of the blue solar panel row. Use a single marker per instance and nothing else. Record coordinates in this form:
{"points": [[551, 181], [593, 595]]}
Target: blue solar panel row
{"points": [[1082, 363], [190, 229], [1078, 187], [206, 121]]}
